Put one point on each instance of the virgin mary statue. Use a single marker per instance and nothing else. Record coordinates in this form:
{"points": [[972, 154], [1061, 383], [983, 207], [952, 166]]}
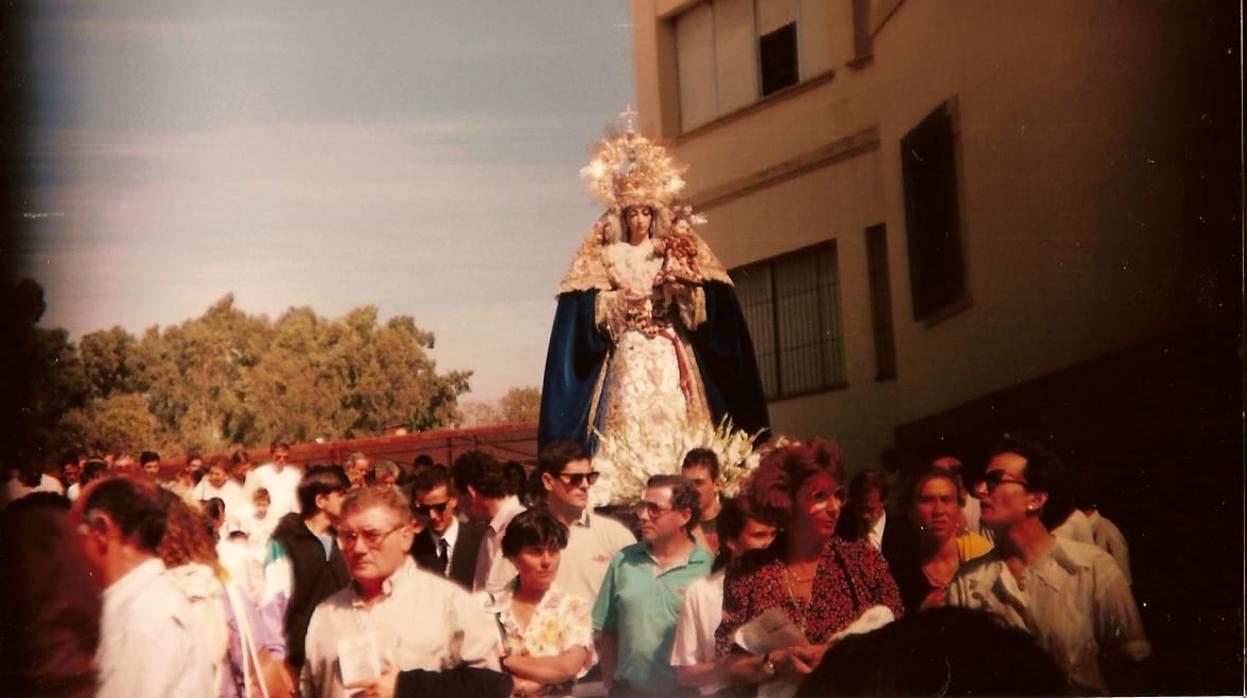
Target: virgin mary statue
{"points": [[648, 343]]}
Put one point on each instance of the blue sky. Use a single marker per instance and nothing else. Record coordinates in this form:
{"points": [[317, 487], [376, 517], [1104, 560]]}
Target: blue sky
{"points": [[420, 156]]}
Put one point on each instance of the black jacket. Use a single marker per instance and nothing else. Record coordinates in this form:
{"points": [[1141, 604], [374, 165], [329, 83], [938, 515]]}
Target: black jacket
{"points": [[462, 561], [315, 579]]}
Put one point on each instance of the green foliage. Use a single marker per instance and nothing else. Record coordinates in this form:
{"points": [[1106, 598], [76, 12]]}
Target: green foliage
{"points": [[117, 423], [521, 404], [516, 405], [42, 375], [228, 377]]}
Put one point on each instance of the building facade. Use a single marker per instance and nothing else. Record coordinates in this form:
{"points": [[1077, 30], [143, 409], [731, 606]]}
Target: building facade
{"points": [[949, 219], [926, 203]]}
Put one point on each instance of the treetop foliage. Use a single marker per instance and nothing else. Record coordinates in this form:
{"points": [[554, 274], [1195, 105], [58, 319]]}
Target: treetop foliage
{"points": [[228, 377]]}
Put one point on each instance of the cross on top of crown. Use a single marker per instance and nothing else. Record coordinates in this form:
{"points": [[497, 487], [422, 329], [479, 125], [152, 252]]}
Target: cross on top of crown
{"points": [[629, 116]]}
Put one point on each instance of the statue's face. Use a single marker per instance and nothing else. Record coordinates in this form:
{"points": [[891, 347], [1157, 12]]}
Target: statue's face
{"points": [[639, 220]]}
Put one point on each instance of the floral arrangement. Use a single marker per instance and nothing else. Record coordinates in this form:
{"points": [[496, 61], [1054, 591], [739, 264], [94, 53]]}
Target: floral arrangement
{"points": [[626, 465]]}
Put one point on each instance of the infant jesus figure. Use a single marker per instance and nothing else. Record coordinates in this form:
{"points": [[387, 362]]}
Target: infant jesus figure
{"points": [[679, 273]]}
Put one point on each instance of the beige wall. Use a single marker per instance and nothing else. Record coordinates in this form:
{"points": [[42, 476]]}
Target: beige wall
{"points": [[1069, 177]]}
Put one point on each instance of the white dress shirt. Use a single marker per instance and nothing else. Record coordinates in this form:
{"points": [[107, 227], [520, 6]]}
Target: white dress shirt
{"points": [[875, 534], [451, 536], [493, 571], [1073, 600], [149, 645], [421, 621], [1109, 539]]}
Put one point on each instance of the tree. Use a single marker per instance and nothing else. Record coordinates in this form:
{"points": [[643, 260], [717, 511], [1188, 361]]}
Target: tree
{"points": [[520, 404], [115, 423], [41, 374]]}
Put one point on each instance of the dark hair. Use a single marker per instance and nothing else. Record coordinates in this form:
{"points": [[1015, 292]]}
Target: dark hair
{"points": [[423, 460], [850, 525], [214, 508], [272, 448], [1043, 472], [489, 477], [533, 527], [91, 470], [703, 457], [1084, 483], [134, 505], [219, 462], [773, 491], [239, 457], [464, 467], [318, 480], [942, 651], [431, 478], [556, 455], [193, 455], [147, 457], [730, 523], [683, 496]]}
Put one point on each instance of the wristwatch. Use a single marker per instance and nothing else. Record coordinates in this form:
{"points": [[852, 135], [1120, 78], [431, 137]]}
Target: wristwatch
{"points": [[768, 667]]}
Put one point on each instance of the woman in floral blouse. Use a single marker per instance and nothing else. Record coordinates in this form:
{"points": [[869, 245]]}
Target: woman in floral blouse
{"points": [[547, 634], [820, 582]]}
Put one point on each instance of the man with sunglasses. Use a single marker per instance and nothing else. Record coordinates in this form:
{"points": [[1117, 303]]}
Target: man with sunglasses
{"points": [[566, 477], [446, 547], [1070, 596], [637, 608], [394, 615]]}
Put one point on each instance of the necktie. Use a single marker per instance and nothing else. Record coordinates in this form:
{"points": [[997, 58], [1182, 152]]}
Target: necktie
{"points": [[442, 549]]}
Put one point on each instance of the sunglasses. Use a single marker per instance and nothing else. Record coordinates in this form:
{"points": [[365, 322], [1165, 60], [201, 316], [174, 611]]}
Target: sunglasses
{"points": [[650, 509], [996, 478], [425, 509], [574, 479]]}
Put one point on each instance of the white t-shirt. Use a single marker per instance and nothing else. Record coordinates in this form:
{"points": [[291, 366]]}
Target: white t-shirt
{"points": [[282, 487], [699, 618]]}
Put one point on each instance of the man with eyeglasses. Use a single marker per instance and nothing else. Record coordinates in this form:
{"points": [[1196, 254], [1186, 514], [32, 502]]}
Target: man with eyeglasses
{"points": [[446, 547], [566, 478], [394, 616], [1071, 596], [639, 602], [278, 477]]}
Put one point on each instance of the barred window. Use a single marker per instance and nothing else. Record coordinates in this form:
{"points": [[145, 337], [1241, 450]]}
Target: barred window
{"points": [[792, 306]]}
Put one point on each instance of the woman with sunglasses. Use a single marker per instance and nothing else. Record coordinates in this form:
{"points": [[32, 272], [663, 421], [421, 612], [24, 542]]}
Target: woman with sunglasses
{"points": [[1070, 596], [821, 583], [939, 544], [546, 633]]}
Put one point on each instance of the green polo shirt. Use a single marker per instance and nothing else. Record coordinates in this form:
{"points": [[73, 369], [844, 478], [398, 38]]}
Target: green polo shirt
{"points": [[640, 606]]}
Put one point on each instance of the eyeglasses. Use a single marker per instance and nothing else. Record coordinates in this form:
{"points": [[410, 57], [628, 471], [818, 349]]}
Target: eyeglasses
{"points": [[996, 478], [372, 539], [425, 509], [574, 479], [650, 509], [281, 456]]}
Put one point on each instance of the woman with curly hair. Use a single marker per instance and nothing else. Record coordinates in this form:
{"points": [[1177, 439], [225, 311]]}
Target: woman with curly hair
{"points": [[251, 652], [821, 583]]}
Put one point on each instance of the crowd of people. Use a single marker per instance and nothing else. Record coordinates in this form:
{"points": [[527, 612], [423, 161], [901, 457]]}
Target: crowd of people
{"points": [[484, 578]]}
